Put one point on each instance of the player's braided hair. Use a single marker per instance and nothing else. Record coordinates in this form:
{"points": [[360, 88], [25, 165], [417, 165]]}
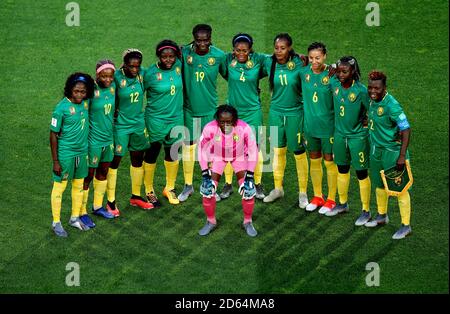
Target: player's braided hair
{"points": [[318, 45], [131, 53], [169, 44], [350, 60], [377, 75], [78, 77], [242, 38], [288, 39], [229, 109], [201, 28]]}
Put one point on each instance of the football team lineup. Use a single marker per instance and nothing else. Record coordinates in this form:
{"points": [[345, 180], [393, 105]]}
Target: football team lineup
{"points": [[321, 113]]}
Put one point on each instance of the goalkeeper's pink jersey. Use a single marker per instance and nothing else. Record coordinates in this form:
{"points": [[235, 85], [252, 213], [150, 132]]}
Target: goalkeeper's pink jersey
{"points": [[239, 145]]}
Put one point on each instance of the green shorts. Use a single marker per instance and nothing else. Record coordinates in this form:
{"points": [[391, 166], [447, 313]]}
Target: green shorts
{"points": [[286, 131], [165, 132], [136, 141], [254, 120], [72, 168], [382, 159], [195, 124], [318, 144], [352, 151], [100, 154]]}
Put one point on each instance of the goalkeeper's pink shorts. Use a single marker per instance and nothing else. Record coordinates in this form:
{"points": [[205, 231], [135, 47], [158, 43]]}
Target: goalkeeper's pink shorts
{"points": [[219, 165]]}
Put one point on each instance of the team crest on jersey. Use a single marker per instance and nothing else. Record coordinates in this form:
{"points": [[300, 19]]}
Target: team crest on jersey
{"points": [[249, 64], [307, 77], [352, 97], [233, 63], [235, 137], [97, 93], [123, 83], [336, 91], [178, 70], [380, 111], [112, 90], [325, 80], [189, 60], [159, 76], [95, 160], [211, 61], [291, 65], [217, 138], [72, 110], [119, 149], [86, 105]]}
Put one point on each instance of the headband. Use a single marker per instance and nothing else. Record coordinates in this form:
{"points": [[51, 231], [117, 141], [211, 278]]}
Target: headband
{"points": [[167, 47], [130, 50], [80, 79], [106, 66], [244, 37]]}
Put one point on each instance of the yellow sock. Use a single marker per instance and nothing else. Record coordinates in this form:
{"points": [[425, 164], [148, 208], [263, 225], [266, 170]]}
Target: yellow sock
{"points": [[279, 165], [171, 173], [404, 203], [316, 175], [188, 153], [137, 175], [77, 196], [259, 168], [99, 192], [228, 172], [343, 181], [111, 178], [364, 192], [56, 198], [332, 173], [83, 209], [301, 163], [149, 174], [382, 200]]}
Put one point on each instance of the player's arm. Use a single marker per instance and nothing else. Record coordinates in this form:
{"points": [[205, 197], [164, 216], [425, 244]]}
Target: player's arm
{"points": [[399, 117], [223, 67], [54, 151]]}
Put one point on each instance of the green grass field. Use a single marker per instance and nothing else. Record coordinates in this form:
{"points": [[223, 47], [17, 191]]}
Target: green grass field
{"points": [[160, 251]]}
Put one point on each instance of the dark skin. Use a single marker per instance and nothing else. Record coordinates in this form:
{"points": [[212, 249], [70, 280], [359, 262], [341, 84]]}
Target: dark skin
{"points": [[167, 59], [225, 119], [104, 80], [202, 41], [377, 91], [79, 92]]}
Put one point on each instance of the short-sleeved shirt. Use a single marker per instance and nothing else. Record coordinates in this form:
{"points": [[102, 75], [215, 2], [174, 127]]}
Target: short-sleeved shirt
{"points": [[243, 82], [318, 103], [130, 105], [287, 86], [71, 122], [350, 109], [386, 121], [164, 93], [101, 116], [200, 79]]}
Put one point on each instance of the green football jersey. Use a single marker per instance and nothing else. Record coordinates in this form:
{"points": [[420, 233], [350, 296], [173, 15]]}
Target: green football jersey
{"points": [[129, 102], [386, 120], [243, 82], [318, 103], [101, 116], [287, 89], [71, 122], [350, 108], [200, 79], [164, 92]]}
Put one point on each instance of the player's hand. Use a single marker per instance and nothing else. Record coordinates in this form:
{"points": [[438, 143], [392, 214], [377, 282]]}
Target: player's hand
{"points": [[401, 162], [208, 187], [247, 188], [57, 168]]}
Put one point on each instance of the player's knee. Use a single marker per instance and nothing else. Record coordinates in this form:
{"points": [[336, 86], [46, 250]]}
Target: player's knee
{"points": [[343, 169], [362, 174]]}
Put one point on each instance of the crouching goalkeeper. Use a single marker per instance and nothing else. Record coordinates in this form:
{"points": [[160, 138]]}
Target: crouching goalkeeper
{"points": [[227, 139]]}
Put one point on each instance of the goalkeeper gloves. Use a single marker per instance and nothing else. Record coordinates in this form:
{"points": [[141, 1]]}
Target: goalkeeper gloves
{"points": [[208, 187], [247, 188]]}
